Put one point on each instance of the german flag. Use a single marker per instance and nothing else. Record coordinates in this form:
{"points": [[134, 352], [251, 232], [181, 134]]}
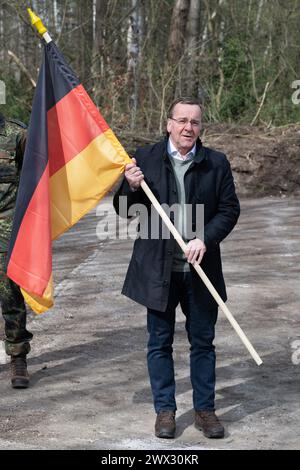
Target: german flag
{"points": [[72, 160]]}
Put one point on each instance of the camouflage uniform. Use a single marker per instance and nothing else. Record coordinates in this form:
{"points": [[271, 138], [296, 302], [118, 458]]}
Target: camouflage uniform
{"points": [[11, 300]]}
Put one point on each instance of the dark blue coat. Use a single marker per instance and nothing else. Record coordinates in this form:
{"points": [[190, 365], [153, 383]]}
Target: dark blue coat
{"points": [[208, 181]]}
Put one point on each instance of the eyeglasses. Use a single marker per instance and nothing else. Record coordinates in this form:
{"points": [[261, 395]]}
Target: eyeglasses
{"points": [[184, 121]]}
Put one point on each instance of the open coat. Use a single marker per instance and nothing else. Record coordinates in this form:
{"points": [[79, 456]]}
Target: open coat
{"points": [[208, 181]]}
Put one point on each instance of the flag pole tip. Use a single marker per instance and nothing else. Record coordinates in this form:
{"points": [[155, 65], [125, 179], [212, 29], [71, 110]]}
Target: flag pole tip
{"points": [[37, 22]]}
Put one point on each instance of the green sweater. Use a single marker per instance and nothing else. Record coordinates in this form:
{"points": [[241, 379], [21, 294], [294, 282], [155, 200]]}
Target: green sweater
{"points": [[180, 167]]}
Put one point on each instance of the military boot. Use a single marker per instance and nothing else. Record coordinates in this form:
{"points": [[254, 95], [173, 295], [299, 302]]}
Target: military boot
{"points": [[19, 374]]}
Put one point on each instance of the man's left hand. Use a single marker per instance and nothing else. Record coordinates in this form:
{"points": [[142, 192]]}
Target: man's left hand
{"points": [[195, 251]]}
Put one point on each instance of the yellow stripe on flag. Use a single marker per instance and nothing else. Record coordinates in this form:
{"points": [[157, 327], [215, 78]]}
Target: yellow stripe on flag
{"points": [[83, 182], [40, 304]]}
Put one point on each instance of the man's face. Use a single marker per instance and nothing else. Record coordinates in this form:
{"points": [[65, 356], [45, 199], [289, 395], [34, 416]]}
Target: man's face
{"points": [[185, 126]]}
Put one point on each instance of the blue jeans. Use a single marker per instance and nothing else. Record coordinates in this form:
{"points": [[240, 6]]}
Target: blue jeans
{"points": [[200, 327]]}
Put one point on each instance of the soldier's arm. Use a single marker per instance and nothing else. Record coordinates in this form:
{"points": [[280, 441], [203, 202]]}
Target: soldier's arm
{"points": [[20, 149]]}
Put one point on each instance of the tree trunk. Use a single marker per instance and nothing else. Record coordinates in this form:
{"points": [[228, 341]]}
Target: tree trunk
{"points": [[192, 47], [178, 30], [99, 24], [99, 32], [85, 45], [133, 53], [258, 16]]}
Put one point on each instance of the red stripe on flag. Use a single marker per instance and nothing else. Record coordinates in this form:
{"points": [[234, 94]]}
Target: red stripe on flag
{"points": [[32, 248], [72, 124]]}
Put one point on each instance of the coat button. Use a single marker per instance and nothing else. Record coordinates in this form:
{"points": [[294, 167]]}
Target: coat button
{"points": [[170, 252], [165, 283]]}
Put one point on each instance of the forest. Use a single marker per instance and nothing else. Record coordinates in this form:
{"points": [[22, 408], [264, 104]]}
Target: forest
{"points": [[239, 57]]}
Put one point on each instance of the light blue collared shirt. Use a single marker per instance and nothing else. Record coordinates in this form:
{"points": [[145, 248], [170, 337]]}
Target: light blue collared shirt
{"points": [[173, 152]]}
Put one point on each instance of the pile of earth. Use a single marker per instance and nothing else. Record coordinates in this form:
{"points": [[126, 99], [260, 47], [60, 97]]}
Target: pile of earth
{"points": [[265, 161]]}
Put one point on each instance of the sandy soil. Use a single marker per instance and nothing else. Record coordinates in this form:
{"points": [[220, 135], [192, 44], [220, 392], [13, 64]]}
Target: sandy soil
{"points": [[89, 384]]}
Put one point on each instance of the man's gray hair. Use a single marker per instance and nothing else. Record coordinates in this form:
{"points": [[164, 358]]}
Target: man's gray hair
{"points": [[184, 100]]}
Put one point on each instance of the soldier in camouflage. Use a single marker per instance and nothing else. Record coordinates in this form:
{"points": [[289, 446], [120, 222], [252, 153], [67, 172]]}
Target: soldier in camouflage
{"points": [[17, 337]]}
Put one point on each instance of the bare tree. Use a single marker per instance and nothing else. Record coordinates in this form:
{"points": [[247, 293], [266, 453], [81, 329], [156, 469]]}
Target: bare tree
{"points": [[178, 30], [99, 51], [133, 52], [192, 46], [85, 20], [134, 56]]}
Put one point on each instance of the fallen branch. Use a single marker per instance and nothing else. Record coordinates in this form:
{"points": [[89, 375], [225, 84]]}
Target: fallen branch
{"points": [[22, 67], [261, 104]]}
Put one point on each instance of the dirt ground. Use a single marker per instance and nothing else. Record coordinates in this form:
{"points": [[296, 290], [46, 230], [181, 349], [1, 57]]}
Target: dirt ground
{"points": [[89, 384]]}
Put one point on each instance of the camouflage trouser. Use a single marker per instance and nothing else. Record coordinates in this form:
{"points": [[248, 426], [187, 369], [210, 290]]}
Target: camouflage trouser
{"points": [[13, 310]]}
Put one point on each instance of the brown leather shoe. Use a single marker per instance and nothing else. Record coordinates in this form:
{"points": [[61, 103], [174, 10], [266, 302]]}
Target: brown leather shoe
{"points": [[208, 422], [165, 425], [19, 374]]}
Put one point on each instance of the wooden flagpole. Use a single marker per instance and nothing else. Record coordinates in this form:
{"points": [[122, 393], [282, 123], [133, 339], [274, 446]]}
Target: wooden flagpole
{"points": [[42, 30], [202, 275]]}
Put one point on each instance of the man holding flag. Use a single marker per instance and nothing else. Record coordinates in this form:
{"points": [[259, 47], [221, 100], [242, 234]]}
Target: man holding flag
{"points": [[180, 170], [72, 160]]}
